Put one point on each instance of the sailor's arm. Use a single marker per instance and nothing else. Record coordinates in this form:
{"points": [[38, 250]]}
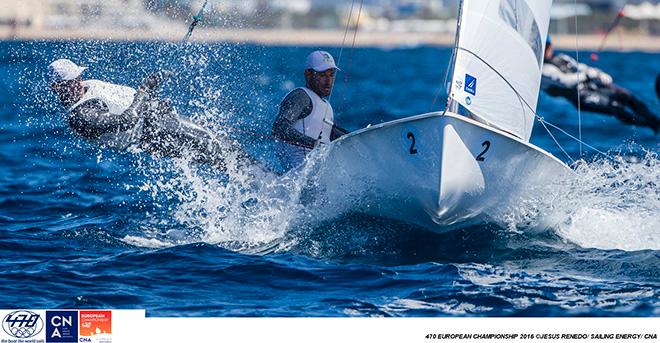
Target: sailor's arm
{"points": [[93, 118], [586, 72], [553, 76], [598, 75], [595, 74], [337, 132], [295, 106], [138, 107]]}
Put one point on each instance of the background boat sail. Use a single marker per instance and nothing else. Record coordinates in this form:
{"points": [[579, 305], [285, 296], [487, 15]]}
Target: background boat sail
{"points": [[443, 170]]}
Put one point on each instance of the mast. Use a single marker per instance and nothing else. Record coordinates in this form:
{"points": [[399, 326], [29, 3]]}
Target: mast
{"points": [[452, 105]]}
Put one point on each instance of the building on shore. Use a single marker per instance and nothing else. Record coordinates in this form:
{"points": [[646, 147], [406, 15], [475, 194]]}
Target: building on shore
{"points": [[44, 15], [166, 19]]}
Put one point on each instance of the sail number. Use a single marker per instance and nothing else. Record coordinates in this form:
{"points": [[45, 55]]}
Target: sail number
{"points": [[412, 143], [486, 145], [412, 150]]}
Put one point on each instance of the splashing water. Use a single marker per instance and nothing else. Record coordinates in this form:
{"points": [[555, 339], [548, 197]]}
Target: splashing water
{"points": [[616, 205], [607, 205], [245, 209], [70, 206]]}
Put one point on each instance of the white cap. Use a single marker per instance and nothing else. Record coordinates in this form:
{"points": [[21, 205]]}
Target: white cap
{"points": [[64, 70], [320, 61]]}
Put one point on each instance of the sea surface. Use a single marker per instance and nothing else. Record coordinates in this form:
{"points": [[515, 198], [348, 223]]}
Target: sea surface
{"points": [[82, 227]]}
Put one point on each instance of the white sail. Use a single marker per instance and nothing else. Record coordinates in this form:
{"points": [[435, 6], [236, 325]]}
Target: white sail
{"points": [[497, 71]]}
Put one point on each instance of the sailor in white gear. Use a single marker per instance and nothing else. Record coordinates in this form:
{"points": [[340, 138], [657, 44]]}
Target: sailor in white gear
{"points": [[118, 116], [305, 117], [564, 77]]}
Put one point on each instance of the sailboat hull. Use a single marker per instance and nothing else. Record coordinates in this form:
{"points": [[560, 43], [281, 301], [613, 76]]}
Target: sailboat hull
{"points": [[437, 170]]}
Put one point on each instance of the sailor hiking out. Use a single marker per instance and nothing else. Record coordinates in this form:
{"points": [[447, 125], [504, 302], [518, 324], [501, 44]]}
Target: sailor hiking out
{"points": [[564, 77], [120, 117]]}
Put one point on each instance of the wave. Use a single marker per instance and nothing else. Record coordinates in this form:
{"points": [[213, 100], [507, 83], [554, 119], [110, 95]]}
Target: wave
{"points": [[609, 204]]}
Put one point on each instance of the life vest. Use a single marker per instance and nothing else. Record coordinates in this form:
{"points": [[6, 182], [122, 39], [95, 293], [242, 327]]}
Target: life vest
{"points": [[118, 99], [318, 124]]}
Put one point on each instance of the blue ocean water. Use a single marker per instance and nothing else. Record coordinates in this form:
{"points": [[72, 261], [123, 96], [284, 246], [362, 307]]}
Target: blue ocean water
{"points": [[85, 228]]}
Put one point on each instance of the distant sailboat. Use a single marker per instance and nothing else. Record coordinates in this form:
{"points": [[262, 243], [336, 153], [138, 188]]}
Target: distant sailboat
{"points": [[441, 169]]}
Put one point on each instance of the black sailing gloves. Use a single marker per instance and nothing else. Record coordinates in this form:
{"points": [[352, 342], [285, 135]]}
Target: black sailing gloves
{"points": [[146, 108], [152, 82]]}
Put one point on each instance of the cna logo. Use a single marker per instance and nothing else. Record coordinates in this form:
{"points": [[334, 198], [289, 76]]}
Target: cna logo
{"points": [[22, 324], [470, 84], [61, 326]]}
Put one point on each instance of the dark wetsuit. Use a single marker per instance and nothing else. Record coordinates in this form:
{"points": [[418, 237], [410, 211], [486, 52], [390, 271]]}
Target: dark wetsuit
{"points": [[563, 76], [154, 127], [294, 145], [295, 106]]}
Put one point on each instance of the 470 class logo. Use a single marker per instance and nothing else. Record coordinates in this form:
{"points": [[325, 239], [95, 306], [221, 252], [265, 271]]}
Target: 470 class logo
{"points": [[22, 324]]}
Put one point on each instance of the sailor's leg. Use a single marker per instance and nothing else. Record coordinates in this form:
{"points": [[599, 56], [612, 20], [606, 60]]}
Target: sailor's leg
{"points": [[290, 156], [619, 103], [640, 112], [173, 135], [600, 102]]}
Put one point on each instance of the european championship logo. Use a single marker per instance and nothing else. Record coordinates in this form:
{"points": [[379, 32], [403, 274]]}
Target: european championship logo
{"points": [[62, 326], [95, 326]]}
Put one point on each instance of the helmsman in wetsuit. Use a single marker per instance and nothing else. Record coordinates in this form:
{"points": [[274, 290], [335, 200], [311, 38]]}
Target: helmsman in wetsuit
{"points": [[563, 76], [121, 117], [305, 117]]}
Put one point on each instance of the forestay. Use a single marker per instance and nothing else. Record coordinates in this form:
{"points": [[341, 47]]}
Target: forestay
{"points": [[497, 71]]}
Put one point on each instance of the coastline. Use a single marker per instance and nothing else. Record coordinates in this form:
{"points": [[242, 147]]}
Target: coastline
{"points": [[310, 37]]}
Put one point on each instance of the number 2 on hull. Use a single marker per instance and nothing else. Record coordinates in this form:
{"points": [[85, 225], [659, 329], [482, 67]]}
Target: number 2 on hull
{"points": [[486, 145]]}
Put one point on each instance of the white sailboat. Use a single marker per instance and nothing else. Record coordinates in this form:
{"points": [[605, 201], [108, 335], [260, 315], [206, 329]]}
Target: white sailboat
{"points": [[443, 169]]}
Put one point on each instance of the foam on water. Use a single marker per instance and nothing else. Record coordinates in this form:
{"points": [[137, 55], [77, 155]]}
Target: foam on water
{"points": [[615, 205], [146, 242], [243, 209], [609, 204], [605, 205]]}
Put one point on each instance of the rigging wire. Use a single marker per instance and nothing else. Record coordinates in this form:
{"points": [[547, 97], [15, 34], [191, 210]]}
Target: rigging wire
{"points": [[572, 137], [196, 19], [348, 24], [555, 140], [350, 55], [451, 104], [444, 83], [450, 65], [577, 60], [523, 101], [341, 50]]}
